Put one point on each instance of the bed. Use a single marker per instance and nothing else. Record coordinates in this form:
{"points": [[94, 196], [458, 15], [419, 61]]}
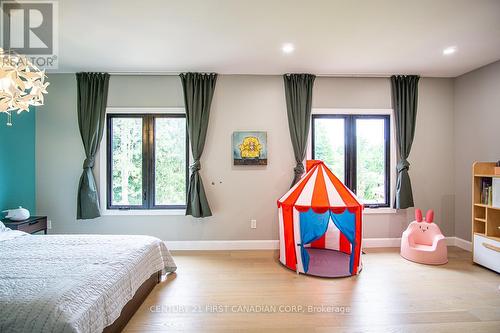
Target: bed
{"points": [[76, 283]]}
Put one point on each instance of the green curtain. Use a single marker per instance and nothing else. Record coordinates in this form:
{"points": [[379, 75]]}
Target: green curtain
{"points": [[298, 93], [91, 105], [198, 92], [404, 102]]}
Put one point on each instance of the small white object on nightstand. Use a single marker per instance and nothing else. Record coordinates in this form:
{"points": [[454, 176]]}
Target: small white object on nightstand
{"points": [[19, 214]]}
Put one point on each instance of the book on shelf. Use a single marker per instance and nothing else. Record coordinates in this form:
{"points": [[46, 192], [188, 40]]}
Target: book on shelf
{"points": [[486, 191]]}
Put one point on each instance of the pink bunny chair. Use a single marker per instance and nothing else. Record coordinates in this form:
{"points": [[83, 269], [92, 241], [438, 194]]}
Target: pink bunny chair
{"points": [[423, 241]]}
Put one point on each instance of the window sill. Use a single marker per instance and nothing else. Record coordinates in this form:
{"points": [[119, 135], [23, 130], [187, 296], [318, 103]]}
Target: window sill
{"points": [[144, 212], [373, 211]]}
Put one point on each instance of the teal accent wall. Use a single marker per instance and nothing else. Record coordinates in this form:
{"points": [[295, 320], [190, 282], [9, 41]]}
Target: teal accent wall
{"points": [[17, 162]]}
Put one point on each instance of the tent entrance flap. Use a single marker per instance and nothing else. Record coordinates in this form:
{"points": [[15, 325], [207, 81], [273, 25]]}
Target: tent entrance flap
{"points": [[346, 222], [314, 225]]}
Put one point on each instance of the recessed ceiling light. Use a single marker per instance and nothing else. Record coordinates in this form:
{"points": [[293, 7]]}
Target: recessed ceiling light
{"points": [[449, 50], [288, 48]]}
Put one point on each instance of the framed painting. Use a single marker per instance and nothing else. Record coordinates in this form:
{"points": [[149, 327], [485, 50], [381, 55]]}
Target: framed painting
{"points": [[249, 148]]}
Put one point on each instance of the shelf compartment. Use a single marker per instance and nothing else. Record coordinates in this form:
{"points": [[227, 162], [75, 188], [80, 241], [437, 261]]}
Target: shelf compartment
{"points": [[480, 212], [484, 168], [493, 224], [476, 190], [479, 227]]}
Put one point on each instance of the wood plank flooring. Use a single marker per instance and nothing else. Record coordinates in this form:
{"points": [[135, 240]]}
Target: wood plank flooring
{"points": [[249, 291]]}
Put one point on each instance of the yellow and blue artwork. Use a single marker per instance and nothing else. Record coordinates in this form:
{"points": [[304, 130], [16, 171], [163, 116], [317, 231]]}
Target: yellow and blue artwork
{"points": [[250, 148]]}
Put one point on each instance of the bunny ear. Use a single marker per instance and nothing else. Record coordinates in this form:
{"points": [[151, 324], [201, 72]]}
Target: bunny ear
{"points": [[429, 217], [418, 215]]}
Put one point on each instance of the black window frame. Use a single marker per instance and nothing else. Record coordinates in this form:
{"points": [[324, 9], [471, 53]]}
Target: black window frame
{"points": [[350, 150], [148, 160]]}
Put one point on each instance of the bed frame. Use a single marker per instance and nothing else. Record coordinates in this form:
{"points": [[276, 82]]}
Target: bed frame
{"points": [[131, 307]]}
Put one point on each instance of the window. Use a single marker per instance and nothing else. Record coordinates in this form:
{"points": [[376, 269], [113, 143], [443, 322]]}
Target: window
{"points": [[357, 150], [147, 161]]}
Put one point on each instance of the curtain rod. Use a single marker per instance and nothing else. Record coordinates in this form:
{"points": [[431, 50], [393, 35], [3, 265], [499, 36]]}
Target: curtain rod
{"points": [[256, 74]]}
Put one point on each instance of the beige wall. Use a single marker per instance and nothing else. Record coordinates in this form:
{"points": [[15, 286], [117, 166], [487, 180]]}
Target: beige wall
{"points": [[477, 134], [433, 144], [239, 194]]}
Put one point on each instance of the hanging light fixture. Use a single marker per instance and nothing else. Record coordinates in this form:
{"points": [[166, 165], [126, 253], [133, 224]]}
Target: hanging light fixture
{"points": [[22, 84]]}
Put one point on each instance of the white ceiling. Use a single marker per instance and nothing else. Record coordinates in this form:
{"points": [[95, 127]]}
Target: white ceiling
{"points": [[349, 37]]}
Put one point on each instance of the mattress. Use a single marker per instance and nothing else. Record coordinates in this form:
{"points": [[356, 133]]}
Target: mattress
{"points": [[72, 283]]}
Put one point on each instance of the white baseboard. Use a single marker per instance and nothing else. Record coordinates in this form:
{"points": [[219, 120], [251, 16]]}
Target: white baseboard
{"points": [[223, 245], [274, 244], [462, 243], [381, 242]]}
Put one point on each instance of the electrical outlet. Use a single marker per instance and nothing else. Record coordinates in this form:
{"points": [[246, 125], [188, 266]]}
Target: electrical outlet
{"points": [[49, 224], [253, 224]]}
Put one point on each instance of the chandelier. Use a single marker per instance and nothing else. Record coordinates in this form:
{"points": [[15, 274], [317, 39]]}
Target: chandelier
{"points": [[22, 84]]}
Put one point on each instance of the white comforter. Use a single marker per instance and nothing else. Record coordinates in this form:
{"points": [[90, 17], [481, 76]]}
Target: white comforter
{"points": [[72, 283]]}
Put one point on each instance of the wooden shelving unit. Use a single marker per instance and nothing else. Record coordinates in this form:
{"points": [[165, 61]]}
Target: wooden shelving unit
{"points": [[485, 219]]}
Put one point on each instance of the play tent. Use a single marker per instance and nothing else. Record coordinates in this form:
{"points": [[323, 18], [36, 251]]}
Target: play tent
{"points": [[320, 222]]}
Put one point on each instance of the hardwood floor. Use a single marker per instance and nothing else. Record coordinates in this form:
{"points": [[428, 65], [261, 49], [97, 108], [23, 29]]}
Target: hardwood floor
{"points": [[215, 292]]}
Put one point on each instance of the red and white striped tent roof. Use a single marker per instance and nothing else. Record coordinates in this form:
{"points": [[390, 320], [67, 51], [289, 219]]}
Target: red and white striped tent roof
{"points": [[320, 190]]}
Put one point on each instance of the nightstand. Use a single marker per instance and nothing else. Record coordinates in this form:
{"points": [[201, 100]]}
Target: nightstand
{"points": [[32, 225]]}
